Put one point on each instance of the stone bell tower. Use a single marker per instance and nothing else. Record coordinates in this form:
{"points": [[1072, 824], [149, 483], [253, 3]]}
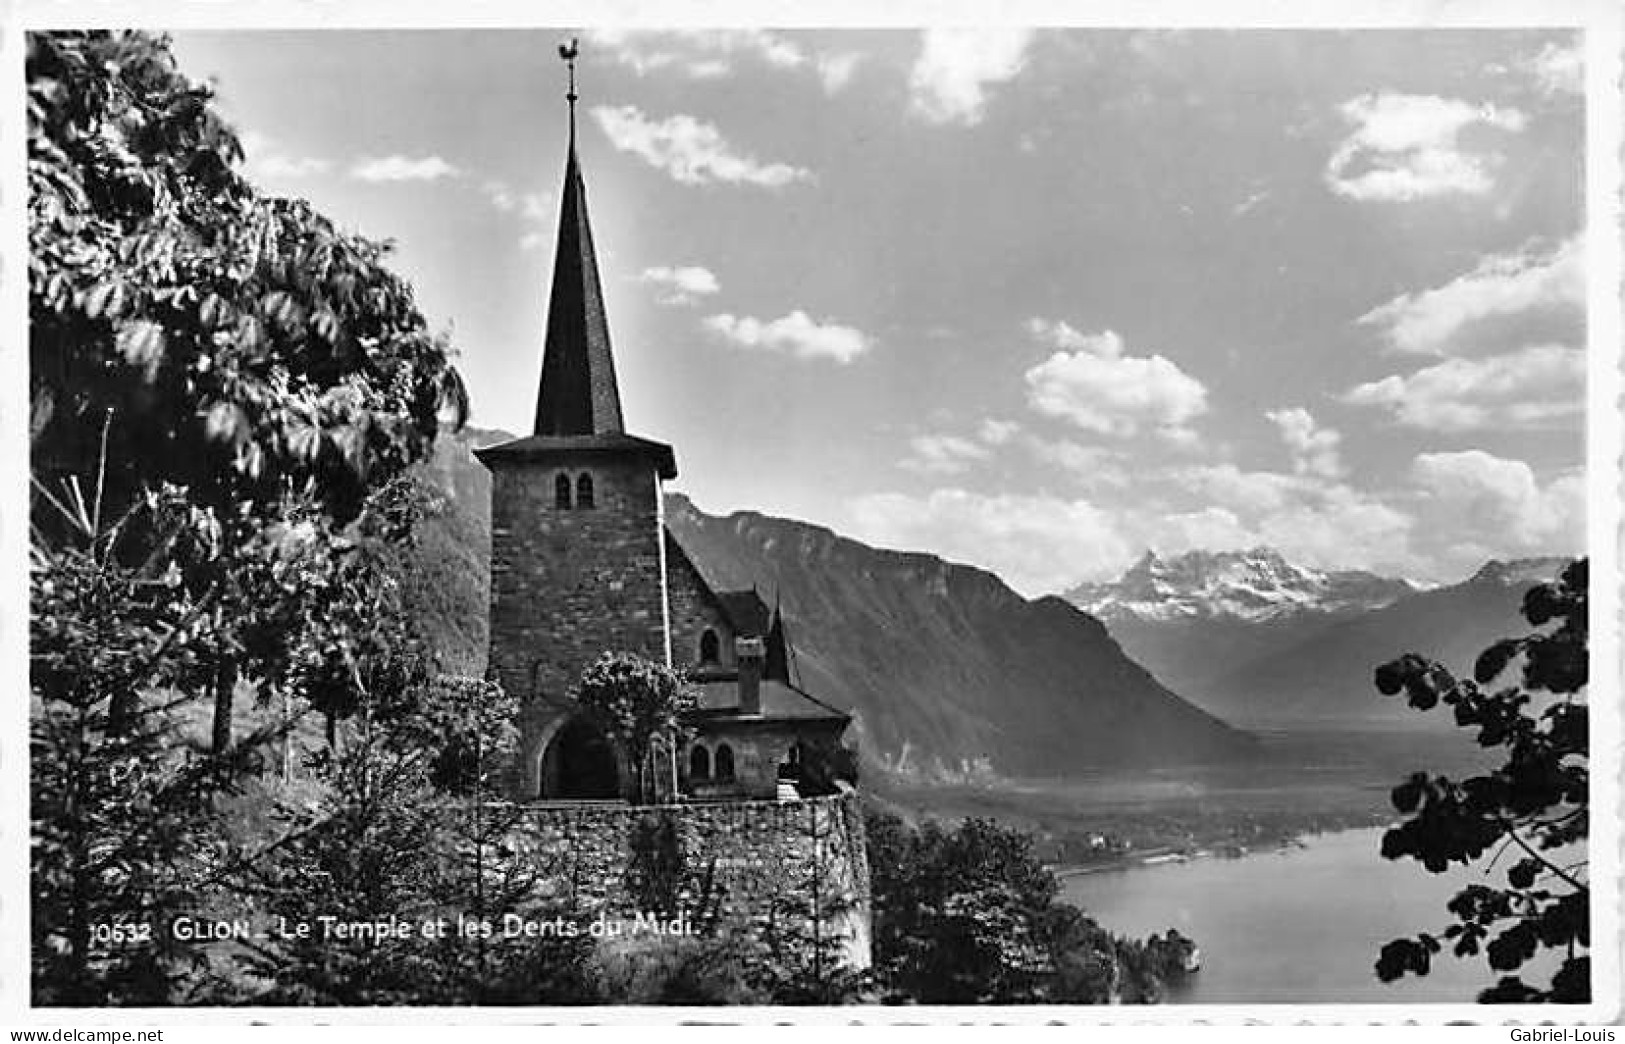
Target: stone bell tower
{"points": [[578, 560]]}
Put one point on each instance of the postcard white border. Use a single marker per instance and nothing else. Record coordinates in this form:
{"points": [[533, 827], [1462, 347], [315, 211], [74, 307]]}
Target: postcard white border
{"points": [[1601, 21]]}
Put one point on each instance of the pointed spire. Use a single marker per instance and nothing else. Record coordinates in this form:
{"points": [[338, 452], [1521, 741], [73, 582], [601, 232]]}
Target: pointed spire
{"points": [[578, 395], [777, 667]]}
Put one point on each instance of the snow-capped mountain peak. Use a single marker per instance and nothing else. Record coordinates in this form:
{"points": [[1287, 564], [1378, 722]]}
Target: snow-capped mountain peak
{"points": [[1256, 584]]}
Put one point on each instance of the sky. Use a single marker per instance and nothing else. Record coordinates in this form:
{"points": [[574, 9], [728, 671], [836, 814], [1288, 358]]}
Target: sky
{"points": [[1036, 301]]}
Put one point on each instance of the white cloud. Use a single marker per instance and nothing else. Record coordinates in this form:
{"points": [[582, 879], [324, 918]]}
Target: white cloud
{"points": [[530, 205], [533, 207], [997, 432], [691, 151], [1090, 467], [709, 54], [501, 195], [701, 54], [682, 284], [835, 70], [1250, 493], [1207, 529], [949, 454], [402, 168], [263, 159], [955, 68], [1314, 449], [1500, 287], [943, 454], [796, 333], [1036, 544], [1338, 527], [274, 165], [1249, 203], [1495, 504], [1535, 387], [1093, 384], [1450, 513], [1311, 518], [1556, 69], [1407, 146]]}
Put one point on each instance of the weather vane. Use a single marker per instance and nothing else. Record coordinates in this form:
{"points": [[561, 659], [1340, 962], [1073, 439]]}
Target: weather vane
{"points": [[568, 52]]}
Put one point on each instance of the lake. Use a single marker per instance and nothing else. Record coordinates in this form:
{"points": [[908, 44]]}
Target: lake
{"points": [[1298, 926]]}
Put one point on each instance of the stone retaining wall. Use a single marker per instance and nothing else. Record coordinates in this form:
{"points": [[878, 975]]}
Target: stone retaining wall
{"points": [[757, 866]]}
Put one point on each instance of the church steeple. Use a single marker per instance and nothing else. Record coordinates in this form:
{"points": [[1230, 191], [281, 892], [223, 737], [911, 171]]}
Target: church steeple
{"points": [[578, 394]]}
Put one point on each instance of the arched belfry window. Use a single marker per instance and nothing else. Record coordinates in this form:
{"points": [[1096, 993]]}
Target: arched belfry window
{"points": [[561, 491], [699, 763], [584, 491], [709, 646], [725, 763]]}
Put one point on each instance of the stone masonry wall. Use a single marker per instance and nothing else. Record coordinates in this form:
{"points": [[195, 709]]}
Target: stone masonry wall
{"points": [[744, 866], [758, 750], [568, 584]]}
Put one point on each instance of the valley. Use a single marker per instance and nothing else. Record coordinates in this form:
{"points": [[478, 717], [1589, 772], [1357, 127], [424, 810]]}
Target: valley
{"points": [[1300, 782]]}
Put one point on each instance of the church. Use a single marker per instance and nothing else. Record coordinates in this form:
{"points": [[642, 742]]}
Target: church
{"points": [[582, 563]]}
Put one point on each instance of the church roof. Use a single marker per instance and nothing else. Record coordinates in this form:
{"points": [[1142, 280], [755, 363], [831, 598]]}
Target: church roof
{"points": [[578, 395], [548, 447], [780, 701], [579, 392], [578, 406], [745, 612]]}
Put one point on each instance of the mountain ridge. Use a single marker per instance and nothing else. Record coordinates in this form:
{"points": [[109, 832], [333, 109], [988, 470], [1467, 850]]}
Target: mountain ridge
{"points": [[903, 636]]}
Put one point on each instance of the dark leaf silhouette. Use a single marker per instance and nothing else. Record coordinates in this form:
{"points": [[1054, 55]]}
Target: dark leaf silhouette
{"points": [[1534, 802]]}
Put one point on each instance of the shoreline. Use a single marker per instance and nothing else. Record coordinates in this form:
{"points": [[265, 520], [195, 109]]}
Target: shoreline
{"points": [[1169, 856]]}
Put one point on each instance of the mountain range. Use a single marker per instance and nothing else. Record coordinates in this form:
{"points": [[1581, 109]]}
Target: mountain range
{"points": [[1254, 585], [1265, 643], [949, 673]]}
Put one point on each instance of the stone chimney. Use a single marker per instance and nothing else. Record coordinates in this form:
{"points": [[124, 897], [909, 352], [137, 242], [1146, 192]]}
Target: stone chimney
{"points": [[750, 654]]}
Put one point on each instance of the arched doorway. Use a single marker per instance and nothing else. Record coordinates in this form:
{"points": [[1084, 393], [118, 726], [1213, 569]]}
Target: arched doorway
{"points": [[580, 761]]}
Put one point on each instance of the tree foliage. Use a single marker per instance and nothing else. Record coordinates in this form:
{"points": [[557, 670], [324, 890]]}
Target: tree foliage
{"points": [[1533, 807], [246, 346], [188, 332], [388, 837], [636, 700], [123, 810], [969, 916], [226, 391]]}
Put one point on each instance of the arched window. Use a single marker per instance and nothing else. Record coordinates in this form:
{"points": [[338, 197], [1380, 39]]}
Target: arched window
{"points": [[709, 646], [725, 763], [584, 491], [561, 491], [699, 763]]}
